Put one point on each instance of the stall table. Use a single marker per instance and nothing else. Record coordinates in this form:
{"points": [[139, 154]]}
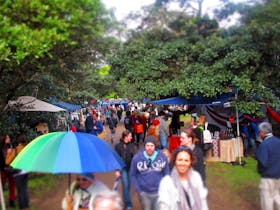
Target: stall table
{"points": [[228, 150]]}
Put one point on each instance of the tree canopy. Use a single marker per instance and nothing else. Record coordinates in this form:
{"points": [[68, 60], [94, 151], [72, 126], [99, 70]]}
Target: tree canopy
{"points": [[192, 55], [51, 45], [66, 49]]}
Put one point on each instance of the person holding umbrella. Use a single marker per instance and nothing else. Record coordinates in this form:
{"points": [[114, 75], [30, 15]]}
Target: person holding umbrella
{"points": [[82, 192]]}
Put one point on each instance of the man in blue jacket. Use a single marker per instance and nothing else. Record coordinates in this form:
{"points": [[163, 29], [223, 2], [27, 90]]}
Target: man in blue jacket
{"points": [[269, 168], [147, 169]]}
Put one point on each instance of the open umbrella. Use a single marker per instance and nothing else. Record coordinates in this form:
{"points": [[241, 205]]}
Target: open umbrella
{"points": [[68, 152]]}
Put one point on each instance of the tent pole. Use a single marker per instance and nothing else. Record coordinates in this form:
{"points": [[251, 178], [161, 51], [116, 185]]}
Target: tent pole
{"points": [[2, 195], [238, 129]]}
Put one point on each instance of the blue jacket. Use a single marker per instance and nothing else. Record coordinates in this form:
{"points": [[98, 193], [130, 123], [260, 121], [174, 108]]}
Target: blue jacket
{"points": [[146, 177], [269, 158], [99, 127]]}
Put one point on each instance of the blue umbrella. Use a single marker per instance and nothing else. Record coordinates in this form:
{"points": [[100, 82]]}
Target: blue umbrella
{"points": [[68, 152]]}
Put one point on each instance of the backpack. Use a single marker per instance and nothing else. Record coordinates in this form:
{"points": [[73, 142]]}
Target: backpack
{"points": [[127, 121]]}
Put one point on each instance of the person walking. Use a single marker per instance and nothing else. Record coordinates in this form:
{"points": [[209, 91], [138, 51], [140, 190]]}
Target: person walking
{"points": [[187, 138], [183, 189], [22, 176], [97, 126], [269, 167], [163, 131], [6, 171], [147, 168], [126, 149], [247, 135], [138, 128], [112, 123], [89, 121]]}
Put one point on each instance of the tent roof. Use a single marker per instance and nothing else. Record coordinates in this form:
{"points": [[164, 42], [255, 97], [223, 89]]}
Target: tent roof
{"points": [[68, 106], [29, 103], [195, 100]]}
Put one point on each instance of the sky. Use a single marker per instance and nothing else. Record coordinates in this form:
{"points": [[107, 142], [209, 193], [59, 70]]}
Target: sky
{"points": [[123, 7]]}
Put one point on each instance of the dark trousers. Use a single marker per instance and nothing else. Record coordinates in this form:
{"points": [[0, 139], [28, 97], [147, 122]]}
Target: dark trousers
{"points": [[22, 189]]}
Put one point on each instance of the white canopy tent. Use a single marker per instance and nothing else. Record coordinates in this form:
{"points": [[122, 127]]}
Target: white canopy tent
{"points": [[28, 104], [32, 104]]}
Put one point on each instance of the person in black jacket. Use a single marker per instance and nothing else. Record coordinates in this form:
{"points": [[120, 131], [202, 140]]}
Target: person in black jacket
{"points": [[187, 138], [126, 149], [89, 122]]}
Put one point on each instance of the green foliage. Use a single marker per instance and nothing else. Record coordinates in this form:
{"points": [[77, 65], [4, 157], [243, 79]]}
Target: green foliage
{"points": [[186, 60], [46, 43], [15, 123], [104, 71]]}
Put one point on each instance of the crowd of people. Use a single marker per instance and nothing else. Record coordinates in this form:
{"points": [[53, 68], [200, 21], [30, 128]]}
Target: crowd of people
{"points": [[162, 180]]}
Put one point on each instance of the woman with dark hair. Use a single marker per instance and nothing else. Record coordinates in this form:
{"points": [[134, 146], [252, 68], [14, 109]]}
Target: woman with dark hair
{"points": [[183, 188], [7, 152], [21, 178], [126, 149]]}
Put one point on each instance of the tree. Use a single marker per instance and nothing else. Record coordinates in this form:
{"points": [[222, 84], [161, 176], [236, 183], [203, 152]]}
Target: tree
{"points": [[193, 7], [48, 45], [159, 63]]}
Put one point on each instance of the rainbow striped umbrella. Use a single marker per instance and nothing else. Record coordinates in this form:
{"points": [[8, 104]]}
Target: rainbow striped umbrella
{"points": [[68, 152]]}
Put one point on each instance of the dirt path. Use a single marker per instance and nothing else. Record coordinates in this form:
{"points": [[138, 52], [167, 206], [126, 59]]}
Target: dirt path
{"points": [[220, 198]]}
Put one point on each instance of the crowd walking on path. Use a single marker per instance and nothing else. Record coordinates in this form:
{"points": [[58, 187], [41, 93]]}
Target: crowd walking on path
{"points": [[161, 180]]}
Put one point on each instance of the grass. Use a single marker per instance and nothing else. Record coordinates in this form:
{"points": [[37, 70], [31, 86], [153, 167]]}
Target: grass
{"points": [[241, 180], [38, 184]]}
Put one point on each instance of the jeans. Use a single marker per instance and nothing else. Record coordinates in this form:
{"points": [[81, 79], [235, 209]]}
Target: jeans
{"points": [[149, 201], [246, 145], [139, 137], [22, 188], [126, 188], [163, 141]]}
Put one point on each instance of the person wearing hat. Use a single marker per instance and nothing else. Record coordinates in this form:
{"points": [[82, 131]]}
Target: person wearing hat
{"points": [[82, 192], [147, 169]]}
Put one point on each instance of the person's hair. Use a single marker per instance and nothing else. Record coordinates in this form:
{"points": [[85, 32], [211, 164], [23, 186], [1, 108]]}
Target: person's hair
{"points": [[265, 127], [128, 113], [22, 139], [182, 149], [189, 133], [125, 134], [2, 140], [161, 113], [109, 195], [167, 153]]}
